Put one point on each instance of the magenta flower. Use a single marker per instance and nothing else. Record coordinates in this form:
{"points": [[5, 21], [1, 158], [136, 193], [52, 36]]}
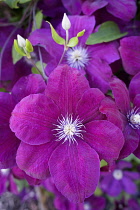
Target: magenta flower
{"points": [[92, 60], [120, 180], [62, 133], [123, 115]]}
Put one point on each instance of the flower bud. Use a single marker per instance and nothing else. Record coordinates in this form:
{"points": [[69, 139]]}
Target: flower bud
{"points": [[21, 41], [66, 22]]}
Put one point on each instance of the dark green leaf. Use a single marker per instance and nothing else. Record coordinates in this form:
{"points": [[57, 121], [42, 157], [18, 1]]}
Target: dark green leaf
{"points": [[107, 32], [38, 20]]}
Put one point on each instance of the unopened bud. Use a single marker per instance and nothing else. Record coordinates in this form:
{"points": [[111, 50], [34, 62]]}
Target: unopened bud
{"points": [[66, 22], [21, 41]]}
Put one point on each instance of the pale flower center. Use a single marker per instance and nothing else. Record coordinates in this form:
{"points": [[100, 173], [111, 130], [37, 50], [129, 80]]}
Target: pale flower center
{"points": [[134, 118], [5, 171], [118, 174], [68, 129], [77, 57], [87, 206]]}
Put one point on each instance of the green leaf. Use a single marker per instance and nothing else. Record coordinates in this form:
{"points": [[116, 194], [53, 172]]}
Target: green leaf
{"points": [[38, 64], [38, 21], [73, 42], [103, 163], [107, 32], [15, 55], [2, 90], [58, 39], [81, 33], [12, 3], [18, 49], [23, 1], [98, 192], [29, 46]]}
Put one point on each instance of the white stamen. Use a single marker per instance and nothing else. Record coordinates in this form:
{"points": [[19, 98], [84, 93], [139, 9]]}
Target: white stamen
{"points": [[68, 129], [87, 206], [118, 174], [77, 57], [134, 118]]}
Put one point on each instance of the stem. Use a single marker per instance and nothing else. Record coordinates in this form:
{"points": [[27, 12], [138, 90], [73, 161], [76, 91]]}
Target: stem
{"points": [[38, 70]]}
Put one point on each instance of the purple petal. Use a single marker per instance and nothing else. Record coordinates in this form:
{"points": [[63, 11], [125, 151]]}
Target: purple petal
{"points": [[130, 53], [75, 170], [88, 106], [106, 138], [74, 7], [99, 74], [66, 86], [25, 86], [131, 141], [109, 108], [33, 119], [106, 51], [132, 175], [121, 95], [124, 164], [90, 7], [129, 185], [34, 159], [122, 9], [8, 147], [134, 86]]}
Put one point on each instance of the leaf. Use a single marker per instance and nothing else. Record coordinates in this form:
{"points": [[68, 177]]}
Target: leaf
{"points": [[29, 46], [18, 49], [23, 1], [81, 33], [38, 20], [107, 32], [38, 64], [15, 55], [73, 42], [58, 39], [103, 163], [12, 3]]}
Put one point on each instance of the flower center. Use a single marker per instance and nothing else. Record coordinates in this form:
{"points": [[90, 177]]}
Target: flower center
{"points": [[134, 118], [68, 129], [118, 174], [77, 57], [87, 206]]}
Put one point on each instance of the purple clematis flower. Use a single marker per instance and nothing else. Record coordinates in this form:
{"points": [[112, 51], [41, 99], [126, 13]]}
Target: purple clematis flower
{"points": [[123, 204], [64, 134], [134, 92], [123, 115], [92, 60], [8, 141], [119, 180], [130, 54]]}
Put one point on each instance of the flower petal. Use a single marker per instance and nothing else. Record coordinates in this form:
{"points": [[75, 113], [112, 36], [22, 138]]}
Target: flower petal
{"points": [[121, 95], [34, 159], [33, 119], [106, 138], [25, 86], [129, 185], [130, 53], [66, 86], [75, 170], [88, 106]]}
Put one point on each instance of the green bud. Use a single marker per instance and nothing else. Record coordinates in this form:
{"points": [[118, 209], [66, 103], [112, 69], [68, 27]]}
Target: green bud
{"points": [[81, 33], [29, 46], [18, 49]]}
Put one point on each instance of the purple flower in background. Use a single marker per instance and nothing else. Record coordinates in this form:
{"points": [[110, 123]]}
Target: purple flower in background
{"points": [[123, 115], [134, 92], [124, 204], [64, 134], [130, 54], [8, 141], [91, 60], [119, 180]]}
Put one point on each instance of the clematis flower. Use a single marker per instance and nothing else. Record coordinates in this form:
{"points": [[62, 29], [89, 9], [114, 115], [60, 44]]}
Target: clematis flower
{"points": [[63, 133], [92, 60], [8, 141], [120, 180], [134, 92], [123, 115]]}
